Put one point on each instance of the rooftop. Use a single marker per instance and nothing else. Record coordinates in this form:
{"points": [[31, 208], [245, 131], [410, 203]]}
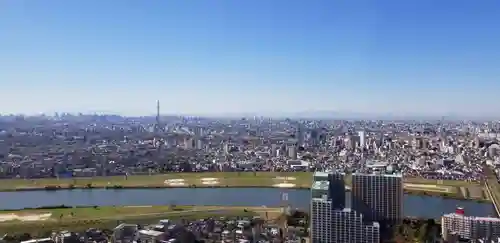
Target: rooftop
{"points": [[321, 174], [320, 185], [378, 174], [153, 233], [376, 164], [321, 199], [456, 215]]}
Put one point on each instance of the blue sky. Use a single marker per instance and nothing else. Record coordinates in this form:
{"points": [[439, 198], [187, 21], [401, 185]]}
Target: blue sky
{"points": [[260, 56]]}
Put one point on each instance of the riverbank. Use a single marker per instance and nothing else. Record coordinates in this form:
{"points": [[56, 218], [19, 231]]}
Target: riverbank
{"points": [[42, 221], [445, 195], [257, 197], [295, 180], [232, 179], [453, 194]]}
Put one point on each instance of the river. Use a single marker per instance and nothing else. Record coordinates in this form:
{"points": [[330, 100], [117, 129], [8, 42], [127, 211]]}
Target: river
{"points": [[416, 206]]}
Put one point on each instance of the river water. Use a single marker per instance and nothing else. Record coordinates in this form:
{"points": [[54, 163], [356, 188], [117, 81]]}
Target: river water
{"points": [[416, 206]]}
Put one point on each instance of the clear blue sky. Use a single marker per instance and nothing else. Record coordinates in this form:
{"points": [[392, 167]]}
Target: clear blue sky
{"points": [[265, 56]]}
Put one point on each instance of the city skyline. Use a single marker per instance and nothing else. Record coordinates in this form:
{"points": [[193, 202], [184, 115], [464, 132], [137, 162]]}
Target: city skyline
{"points": [[270, 58]]}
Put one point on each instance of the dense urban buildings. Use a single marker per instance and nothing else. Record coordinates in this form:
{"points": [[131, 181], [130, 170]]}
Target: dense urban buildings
{"points": [[90, 145], [81, 145], [226, 230]]}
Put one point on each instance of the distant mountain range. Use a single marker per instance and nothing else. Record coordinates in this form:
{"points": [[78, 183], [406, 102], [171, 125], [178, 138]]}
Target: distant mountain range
{"points": [[319, 114]]}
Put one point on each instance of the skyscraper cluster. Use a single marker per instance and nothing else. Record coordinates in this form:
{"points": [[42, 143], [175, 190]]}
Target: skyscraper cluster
{"points": [[375, 199]]}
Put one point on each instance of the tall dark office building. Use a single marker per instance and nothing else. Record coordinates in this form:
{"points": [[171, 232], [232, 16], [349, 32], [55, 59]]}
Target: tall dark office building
{"points": [[299, 134], [331, 222], [378, 197]]}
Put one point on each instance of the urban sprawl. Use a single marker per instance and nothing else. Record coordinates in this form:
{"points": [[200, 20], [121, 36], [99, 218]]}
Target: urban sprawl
{"points": [[376, 160]]}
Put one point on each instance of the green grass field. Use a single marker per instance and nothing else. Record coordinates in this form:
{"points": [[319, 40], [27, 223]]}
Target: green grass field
{"points": [[79, 219], [80, 213], [300, 179]]}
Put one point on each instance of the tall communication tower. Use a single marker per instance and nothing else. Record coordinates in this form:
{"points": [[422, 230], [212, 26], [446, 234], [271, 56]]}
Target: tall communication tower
{"points": [[158, 125]]}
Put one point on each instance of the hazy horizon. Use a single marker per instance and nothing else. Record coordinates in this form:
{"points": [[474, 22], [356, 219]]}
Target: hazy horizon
{"points": [[281, 115]]}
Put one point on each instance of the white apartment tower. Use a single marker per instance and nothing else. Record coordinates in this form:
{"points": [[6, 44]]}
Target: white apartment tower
{"points": [[362, 141]]}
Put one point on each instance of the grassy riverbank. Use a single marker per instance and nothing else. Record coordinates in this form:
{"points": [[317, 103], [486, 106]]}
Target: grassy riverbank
{"points": [[40, 222], [454, 189], [229, 179]]}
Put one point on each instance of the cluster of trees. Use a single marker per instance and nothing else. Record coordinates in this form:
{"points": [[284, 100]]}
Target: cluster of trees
{"points": [[416, 230], [70, 186], [440, 194]]}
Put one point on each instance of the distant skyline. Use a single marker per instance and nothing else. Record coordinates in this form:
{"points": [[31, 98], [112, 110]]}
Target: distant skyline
{"points": [[267, 57]]}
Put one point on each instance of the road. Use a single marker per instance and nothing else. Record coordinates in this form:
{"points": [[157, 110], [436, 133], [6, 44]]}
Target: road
{"points": [[209, 209]]}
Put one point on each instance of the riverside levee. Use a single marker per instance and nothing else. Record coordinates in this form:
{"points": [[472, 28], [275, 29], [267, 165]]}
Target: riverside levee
{"points": [[270, 197]]}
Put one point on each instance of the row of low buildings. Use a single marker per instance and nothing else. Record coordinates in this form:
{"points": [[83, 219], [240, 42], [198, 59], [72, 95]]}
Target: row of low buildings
{"points": [[458, 227]]}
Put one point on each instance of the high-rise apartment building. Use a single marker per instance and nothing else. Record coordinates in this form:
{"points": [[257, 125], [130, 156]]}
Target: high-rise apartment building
{"points": [[379, 197], [469, 227], [330, 225], [331, 186], [354, 142], [362, 142], [299, 134], [331, 222], [292, 151]]}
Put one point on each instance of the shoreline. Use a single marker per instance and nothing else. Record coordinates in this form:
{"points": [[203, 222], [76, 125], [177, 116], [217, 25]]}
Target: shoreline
{"points": [[144, 187], [117, 187]]}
